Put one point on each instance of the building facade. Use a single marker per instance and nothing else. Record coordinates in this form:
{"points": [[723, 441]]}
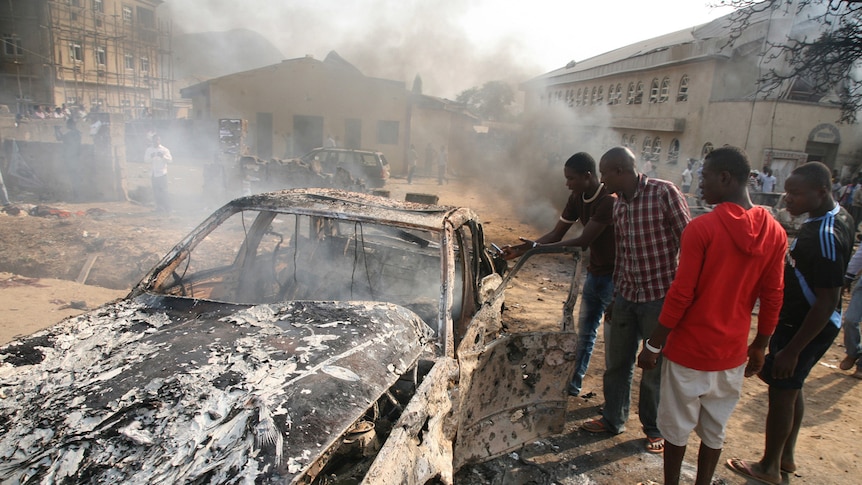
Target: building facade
{"points": [[100, 55], [675, 97]]}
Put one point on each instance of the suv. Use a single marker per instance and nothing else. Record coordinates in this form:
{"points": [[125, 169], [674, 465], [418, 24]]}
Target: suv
{"points": [[368, 165]]}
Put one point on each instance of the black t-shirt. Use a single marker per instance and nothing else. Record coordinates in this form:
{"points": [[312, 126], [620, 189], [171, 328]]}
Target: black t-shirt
{"points": [[601, 210], [820, 253]]}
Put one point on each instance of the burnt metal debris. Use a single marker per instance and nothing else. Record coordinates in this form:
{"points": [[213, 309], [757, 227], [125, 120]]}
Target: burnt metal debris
{"points": [[301, 336]]}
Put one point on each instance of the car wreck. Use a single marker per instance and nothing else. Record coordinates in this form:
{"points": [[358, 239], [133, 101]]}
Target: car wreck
{"points": [[301, 336]]}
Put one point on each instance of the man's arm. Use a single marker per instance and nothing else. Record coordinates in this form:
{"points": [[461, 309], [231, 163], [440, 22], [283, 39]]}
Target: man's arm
{"points": [[556, 234], [591, 231], [825, 302], [678, 213]]}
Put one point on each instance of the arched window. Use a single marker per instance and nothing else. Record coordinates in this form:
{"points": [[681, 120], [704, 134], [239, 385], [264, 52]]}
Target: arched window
{"points": [[639, 93], [619, 93], [586, 95], [653, 91], [656, 149], [578, 98], [593, 96], [600, 97], [630, 98], [646, 149], [707, 147], [673, 152], [682, 94], [570, 98], [625, 141], [611, 94], [664, 94], [633, 143]]}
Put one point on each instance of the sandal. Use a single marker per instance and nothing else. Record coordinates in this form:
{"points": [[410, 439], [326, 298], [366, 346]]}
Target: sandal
{"points": [[595, 426], [655, 444]]}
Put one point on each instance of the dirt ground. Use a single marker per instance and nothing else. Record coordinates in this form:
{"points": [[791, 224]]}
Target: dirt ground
{"points": [[109, 246]]}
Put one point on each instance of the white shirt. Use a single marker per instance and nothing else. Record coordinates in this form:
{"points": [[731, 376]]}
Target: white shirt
{"points": [[767, 183], [159, 158]]}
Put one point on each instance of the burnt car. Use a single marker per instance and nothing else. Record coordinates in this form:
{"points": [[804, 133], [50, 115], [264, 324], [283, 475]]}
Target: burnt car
{"points": [[367, 165], [301, 336]]}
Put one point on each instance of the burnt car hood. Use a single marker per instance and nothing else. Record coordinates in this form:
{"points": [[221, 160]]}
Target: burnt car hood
{"points": [[172, 390]]}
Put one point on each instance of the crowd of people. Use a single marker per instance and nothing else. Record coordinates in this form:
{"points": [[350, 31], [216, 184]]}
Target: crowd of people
{"points": [[676, 295]]}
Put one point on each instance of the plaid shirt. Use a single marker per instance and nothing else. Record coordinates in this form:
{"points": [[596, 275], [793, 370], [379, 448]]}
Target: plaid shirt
{"points": [[648, 228]]}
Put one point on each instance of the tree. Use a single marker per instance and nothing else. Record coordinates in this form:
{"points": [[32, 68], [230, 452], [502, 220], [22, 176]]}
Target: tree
{"points": [[491, 101], [809, 66]]}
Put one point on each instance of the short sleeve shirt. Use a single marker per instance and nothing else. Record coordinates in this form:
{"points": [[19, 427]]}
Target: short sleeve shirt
{"points": [[600, 210], [820, 252]]}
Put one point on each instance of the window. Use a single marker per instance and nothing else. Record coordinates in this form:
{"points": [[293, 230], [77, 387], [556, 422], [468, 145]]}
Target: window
{"points": [[71, 100], [570, 97], [145, 65], [387, 132], [600, 96], [630, 97], [101, 57], [98, 6], [656, 149], [707, 147], [633, 143], [129, 62], [76, 54], [673, 152], [146, 17], [619, 94], [646, 149], [611, 94], [127, 13], [625, 141], [125, 103], [578, 98], [586, 95], [12, 45], [653, 91], [682, 94], [639, 93], [74, 10], [665, 90]]}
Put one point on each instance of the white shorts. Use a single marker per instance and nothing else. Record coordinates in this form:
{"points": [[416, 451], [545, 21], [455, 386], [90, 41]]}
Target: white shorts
{"points": [[694, 400]]}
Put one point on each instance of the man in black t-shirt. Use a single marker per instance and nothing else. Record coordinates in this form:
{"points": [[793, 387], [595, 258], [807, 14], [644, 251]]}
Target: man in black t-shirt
{"points": [[593, 206], [810, 315]]}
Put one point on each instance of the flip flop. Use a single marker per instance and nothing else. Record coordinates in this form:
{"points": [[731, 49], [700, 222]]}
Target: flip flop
{"points": [[742, 467], [655, 444]]}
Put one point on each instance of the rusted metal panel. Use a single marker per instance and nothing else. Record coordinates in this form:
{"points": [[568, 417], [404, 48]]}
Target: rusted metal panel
{"points": [[420, 445], [515, 393]]}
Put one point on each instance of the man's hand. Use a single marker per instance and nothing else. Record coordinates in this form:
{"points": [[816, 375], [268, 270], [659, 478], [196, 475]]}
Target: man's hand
{"points": [[511, 252], [647, 360], [784, 364], [756, 356]]}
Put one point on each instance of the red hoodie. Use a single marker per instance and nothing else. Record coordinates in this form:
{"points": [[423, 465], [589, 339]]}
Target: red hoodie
{"points": [[728, 259]]}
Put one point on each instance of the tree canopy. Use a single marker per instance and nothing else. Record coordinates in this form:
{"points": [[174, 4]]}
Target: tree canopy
{"points": [[827, 62], [491, 101]]}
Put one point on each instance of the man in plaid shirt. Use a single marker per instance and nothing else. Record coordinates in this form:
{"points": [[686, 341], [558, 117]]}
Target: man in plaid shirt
{"points": [[649, 216]]}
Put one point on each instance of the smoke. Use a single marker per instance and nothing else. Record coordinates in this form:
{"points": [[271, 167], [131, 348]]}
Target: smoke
{"points": [[383, 38]]}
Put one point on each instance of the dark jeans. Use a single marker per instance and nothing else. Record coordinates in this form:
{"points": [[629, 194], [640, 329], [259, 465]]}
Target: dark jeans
{"points": [[631, 324]]}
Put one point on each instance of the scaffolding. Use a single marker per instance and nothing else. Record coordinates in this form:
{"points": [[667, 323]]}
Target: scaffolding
{"points": [[102, 55]]}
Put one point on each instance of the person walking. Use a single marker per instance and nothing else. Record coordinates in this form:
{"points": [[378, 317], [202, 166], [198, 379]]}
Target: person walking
{"points": [[159, 157], [810, 316], [705, 322], [592, 206], [412, 161], [649, 217]]}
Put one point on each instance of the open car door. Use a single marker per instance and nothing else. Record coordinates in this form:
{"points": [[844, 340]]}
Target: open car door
{"points": [[513, 386]]}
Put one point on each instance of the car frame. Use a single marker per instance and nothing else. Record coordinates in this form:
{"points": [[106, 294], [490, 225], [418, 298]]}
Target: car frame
{"points": [[203, 374]]}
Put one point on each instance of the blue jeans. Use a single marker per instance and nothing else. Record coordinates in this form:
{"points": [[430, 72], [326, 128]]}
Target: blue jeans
{"points": [[631, 323], [852, 317], [597, 294]]}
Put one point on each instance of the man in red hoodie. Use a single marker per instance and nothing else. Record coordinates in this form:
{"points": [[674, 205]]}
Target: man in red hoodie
{"points": [[728, 259]]}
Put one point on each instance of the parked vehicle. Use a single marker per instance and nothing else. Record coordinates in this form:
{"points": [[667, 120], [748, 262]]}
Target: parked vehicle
{"points": [[367, 165], [301, 336]]}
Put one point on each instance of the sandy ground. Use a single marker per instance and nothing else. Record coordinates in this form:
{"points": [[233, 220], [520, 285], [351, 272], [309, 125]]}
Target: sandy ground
{"points": [[42, 256]]}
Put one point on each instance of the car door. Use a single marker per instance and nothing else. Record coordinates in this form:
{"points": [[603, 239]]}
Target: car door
{"points": [[512, 386]]}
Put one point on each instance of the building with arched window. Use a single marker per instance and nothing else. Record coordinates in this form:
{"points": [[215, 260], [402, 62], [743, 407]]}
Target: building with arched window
{"points": [[694, 90]]}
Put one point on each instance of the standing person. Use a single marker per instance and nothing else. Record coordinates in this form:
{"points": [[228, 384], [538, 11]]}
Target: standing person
{"points": [[686, 179], [809, 320], [72, 155], [649, 216], [767, 180], [442, 162], [704, 323], [592, 205], [412, 161], [159, 157], [852, 318]]}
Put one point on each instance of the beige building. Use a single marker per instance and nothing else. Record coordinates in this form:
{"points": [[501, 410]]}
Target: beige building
{"points": [[675, 97], [102, 55]]}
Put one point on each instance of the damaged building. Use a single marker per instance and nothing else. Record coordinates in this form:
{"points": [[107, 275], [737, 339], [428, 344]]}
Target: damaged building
{"points": [[675, 97]]}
